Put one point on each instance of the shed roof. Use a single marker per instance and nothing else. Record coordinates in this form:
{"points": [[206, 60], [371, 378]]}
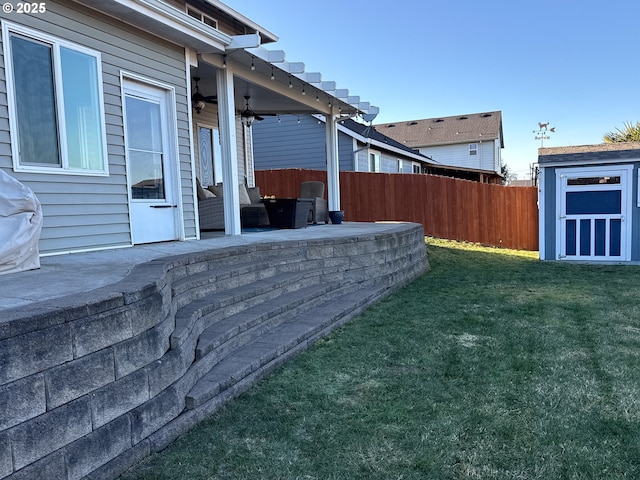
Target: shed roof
{"points": [[473, 127], [589, 153]]}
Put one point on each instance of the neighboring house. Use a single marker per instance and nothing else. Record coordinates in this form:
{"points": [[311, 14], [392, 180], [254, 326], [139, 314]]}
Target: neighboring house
{"points": [[102, 119], [529, 182], [589, 202], [473, 142], [298, 141]]}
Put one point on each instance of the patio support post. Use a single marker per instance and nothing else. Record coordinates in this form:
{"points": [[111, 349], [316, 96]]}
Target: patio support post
{"points": [[333, 165], [227, 126]]}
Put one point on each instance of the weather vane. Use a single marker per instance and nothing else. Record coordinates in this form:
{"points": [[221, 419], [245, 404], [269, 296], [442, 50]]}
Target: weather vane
{"points": [[543, 131]]}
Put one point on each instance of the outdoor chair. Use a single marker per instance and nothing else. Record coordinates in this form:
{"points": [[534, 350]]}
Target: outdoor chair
{"points": [[314, 191], [211, 207]]}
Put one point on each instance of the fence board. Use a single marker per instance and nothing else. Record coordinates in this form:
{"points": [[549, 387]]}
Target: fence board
{"points": [[446, 207]]}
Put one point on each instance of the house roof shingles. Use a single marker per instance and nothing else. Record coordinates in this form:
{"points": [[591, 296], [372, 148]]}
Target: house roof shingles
{"points": [[367, 131], [473, 127]]}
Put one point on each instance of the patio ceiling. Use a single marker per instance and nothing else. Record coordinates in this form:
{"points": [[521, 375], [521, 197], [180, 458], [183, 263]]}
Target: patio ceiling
{"points": [[278, 87]]}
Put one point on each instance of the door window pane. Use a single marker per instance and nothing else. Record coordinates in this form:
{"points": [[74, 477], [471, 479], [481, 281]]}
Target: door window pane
{"points": [[82, 110], [35, 101], [594, 181], [144, 141]]}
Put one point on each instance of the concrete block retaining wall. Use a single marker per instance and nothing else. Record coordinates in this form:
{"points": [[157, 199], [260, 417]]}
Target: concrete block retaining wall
{"points": [[91, 383]]}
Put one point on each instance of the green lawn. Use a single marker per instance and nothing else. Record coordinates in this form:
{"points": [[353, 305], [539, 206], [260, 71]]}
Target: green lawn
{"points": [[491, 366]]}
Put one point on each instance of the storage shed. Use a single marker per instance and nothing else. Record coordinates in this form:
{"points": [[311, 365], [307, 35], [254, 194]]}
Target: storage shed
{"points": [[589, 202]]}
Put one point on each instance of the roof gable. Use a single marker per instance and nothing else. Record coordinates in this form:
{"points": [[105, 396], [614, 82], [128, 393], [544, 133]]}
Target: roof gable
{"points": [[473, 127]]}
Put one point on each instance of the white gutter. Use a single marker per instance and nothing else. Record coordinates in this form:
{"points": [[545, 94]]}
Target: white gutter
{"points": [[164, 20]]}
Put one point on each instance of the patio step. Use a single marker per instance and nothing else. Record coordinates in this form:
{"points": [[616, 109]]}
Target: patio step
{"points": [[193, 318], [241, 366]]}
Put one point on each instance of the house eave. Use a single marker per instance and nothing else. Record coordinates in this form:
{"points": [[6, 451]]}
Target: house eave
{"points": [[166, 21]]}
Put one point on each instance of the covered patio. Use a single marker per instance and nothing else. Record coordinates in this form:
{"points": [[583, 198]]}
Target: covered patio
{"points": [[237, 87]]}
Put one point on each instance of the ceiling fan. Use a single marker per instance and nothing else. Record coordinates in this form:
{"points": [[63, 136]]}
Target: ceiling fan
{"points": [[199, 100], [247, 116]]}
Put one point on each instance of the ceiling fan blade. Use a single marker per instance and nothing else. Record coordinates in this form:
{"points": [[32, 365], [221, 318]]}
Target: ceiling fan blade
{"points": [[211, 99]]}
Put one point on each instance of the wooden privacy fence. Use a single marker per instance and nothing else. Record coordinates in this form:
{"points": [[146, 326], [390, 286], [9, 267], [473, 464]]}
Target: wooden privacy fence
{"points": [[446, 207]]}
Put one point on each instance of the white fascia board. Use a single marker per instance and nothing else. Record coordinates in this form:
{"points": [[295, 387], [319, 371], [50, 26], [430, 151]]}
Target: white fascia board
{"points": [[583, 163], [165, 21], [238, 42]]}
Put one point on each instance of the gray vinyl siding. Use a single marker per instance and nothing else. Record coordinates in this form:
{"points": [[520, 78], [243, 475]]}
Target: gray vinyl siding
{"points": [[345, 151], [363, 160], [88, 212], [407, 166], [282, 142], [388, 164]]}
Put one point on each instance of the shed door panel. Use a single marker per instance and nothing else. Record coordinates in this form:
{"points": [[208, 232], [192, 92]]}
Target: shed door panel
{"points": [[593, 218]]}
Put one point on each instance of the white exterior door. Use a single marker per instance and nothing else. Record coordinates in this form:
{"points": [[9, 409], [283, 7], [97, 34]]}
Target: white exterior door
{"points": [[593, 213], [151, 164]]}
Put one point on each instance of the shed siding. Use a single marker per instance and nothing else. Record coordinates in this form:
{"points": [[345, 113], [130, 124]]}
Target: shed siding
{"points": [[85, 212]]}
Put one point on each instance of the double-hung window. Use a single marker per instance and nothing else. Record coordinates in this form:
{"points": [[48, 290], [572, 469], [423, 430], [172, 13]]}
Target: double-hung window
{"points": [[56, 104]]}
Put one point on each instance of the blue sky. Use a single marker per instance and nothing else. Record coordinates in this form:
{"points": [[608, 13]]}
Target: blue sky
{"points": [[572, 63]]}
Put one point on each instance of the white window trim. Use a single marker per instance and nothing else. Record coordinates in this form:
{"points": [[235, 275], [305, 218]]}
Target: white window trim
{"points": [[474, 150], [63, 169], [376, 161]]}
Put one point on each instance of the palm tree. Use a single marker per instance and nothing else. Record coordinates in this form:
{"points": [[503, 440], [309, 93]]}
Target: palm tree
{"points": [[629, 133]]}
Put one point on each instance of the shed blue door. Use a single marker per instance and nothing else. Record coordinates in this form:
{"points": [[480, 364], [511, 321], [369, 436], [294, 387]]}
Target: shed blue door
{"points": [[593, 218]]}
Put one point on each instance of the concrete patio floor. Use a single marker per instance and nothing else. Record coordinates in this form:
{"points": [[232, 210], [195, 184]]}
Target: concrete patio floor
{"points": [[67, 274]]}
